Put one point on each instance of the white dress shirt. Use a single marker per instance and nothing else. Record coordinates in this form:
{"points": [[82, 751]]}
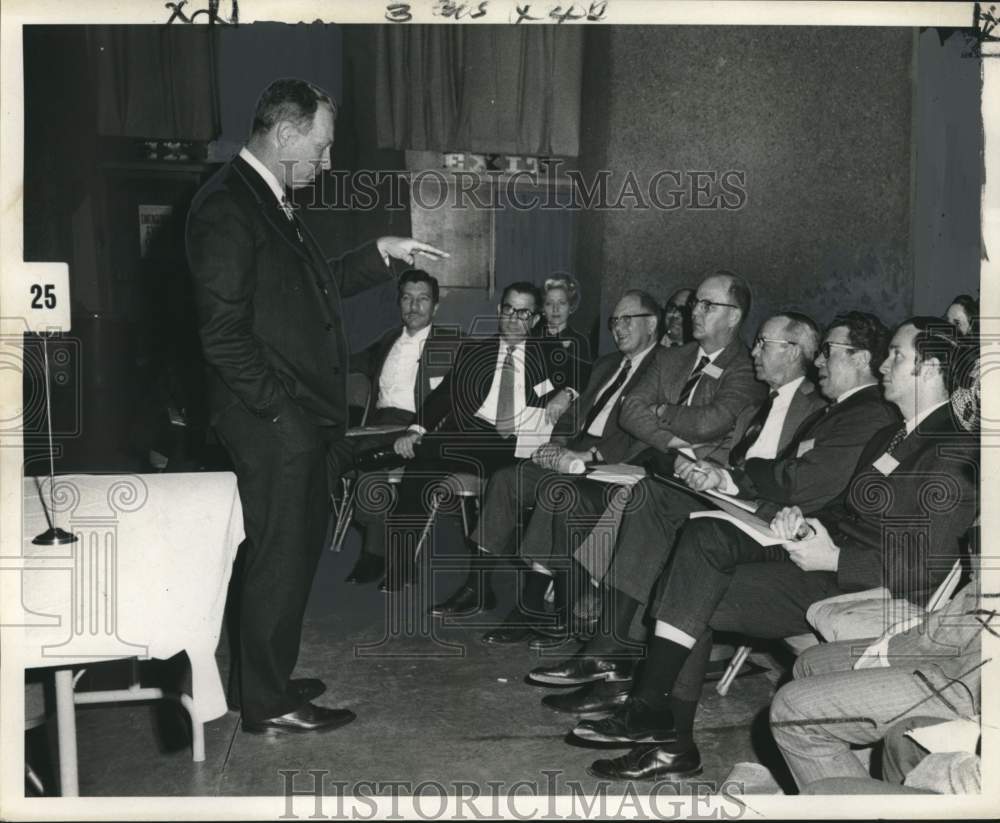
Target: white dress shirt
{"points": [[398, 380], [855, 390], [766, 444], [488, 411], [597, 427]]}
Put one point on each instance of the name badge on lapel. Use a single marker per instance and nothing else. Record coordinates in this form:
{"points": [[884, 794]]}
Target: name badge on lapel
{"points": [[712, 371], [544, 388], [886, 464], [805, 447]]}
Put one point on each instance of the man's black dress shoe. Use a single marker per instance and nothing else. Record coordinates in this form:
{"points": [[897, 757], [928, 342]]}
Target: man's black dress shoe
{"points": [[634, 722], [307, 718], [367, 569], [595, 700], [651, 762], [464, 603], [579, 670]]}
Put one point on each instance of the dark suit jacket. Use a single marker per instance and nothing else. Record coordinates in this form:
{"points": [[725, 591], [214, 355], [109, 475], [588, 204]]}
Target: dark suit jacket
{"points": [[436, 359], [838, 434], [614, 443], [711, 418], [452, 406], [904, 531], [269, 304]]}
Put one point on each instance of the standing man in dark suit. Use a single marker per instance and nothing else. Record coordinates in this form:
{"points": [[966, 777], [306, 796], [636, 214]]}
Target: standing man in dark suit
{"points": [[900, 524], [587, 430], [472, 421], [403, 367], [272, 331], [810, 469]]}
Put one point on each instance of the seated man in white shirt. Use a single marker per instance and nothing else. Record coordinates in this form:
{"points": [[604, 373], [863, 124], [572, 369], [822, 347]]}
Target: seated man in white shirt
{"points": [[403, 366]]}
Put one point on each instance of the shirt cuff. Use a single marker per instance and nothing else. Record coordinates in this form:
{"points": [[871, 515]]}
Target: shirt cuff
{"points": [[418, 429], [728, 486]]}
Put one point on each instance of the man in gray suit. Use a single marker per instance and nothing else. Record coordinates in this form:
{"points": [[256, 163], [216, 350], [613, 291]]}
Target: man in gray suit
{"points": [[703, 388], [588, 430]]}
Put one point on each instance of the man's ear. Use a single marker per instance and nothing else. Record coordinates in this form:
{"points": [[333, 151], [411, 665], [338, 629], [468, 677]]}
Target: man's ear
{"points": [[434, 311], [283, 132], [863, 358]]}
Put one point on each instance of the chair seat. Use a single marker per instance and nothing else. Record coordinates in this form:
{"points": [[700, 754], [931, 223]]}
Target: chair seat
{"points": [[464, 484], [800, 642]]}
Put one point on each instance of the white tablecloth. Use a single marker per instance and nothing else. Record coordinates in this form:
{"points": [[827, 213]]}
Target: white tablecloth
{"points": [[148, 576]]}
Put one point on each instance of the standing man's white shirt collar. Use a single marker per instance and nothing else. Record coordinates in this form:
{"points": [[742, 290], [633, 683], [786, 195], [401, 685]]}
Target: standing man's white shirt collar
{"points": [[855, 390], [265, 173], [916, 421]]}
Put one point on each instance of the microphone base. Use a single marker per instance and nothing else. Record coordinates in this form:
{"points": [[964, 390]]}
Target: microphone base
{"points": [[55, 537]]}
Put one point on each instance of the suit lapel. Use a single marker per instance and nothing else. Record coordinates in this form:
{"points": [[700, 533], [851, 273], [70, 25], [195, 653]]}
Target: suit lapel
{"points": [[798, 411]]}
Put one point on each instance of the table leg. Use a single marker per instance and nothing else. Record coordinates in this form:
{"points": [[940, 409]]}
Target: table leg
{"points": [[66, 720]]}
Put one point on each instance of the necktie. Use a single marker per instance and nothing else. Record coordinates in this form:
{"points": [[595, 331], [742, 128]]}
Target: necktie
{"points": [[692, 381], [286, 208], [897, 438], [739, 451], [608, 393], [505, 401]]}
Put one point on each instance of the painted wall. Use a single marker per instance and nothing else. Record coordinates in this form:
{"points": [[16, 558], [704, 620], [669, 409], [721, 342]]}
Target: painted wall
{"points": [[817, 120]]}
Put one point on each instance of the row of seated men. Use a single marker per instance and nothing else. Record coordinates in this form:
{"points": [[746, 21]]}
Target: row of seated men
{"points": [[868, 478]]}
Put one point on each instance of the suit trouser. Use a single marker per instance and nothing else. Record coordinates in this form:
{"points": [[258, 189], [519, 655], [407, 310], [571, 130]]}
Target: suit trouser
{"points": [[829, 707], [720, 579], [646, 537], [281, 472], [504, 515]]}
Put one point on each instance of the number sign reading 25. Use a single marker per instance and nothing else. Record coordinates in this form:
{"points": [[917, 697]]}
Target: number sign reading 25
{"points": [[43, 297]]}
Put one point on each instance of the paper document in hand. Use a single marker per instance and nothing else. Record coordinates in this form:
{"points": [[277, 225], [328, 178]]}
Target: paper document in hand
{"points": [[361, 431], [532, 431], [750, 525], [746, 505], [622, 474]]}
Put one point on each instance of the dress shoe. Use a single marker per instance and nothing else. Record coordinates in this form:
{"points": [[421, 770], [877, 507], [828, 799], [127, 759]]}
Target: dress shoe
{"points": [[464, 603], [652, 762], [634, 722], [595, 700], [307, 718], [367, 569], [307, 688], [582, 669], [517, 627]]}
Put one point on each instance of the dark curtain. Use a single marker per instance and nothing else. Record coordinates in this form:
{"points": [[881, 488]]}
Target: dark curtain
{"points": [[487, 89], [157, 81]]}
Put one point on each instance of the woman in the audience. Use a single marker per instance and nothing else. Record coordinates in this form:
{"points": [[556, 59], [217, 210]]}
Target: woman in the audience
{"points": [[568, 359], [963, 314]]}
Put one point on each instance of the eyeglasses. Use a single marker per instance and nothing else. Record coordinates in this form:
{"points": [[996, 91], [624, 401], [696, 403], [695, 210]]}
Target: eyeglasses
{"points": [[828, 346], [625, 320], [707, 305], [507, 310], [760, 341]]}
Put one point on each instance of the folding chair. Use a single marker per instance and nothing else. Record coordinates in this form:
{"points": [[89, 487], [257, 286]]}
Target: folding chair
{"points": [[358, 395], [463, 485]]}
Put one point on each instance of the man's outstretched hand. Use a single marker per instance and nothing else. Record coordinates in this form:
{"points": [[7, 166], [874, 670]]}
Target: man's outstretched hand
{"points": [[407, 248]]}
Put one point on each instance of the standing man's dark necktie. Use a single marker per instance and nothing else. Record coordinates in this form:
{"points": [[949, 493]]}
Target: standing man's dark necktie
{"points": [[505, 400], [608, 393], [692, 381], [739, 451]]}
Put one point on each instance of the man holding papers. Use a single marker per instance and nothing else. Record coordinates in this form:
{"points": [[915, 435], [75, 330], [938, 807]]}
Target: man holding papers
{"points": [[899, 525], [809, 466], [588, 430]]}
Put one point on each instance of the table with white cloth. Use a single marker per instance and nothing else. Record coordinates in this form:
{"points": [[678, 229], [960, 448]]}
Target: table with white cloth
{"points": [[147, 578]]}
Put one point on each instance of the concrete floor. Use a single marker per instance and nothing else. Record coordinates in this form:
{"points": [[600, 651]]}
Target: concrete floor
{"points": [[433, 703]]}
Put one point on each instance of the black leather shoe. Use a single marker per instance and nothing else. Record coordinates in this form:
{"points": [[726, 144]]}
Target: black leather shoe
{"points": [[367, 569], [634, 722], [464, 603], [650, 763], [579, 670], [517, 627], [307, 688], [593, 701], [308, 718]]}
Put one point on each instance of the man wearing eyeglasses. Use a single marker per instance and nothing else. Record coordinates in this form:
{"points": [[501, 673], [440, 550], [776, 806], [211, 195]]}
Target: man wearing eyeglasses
{"points": [[471, 421], [588, 431], [795, 451], [899, 525]]}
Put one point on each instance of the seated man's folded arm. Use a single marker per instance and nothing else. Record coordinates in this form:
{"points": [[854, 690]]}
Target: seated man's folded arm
{"points": [[715, 420]]}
